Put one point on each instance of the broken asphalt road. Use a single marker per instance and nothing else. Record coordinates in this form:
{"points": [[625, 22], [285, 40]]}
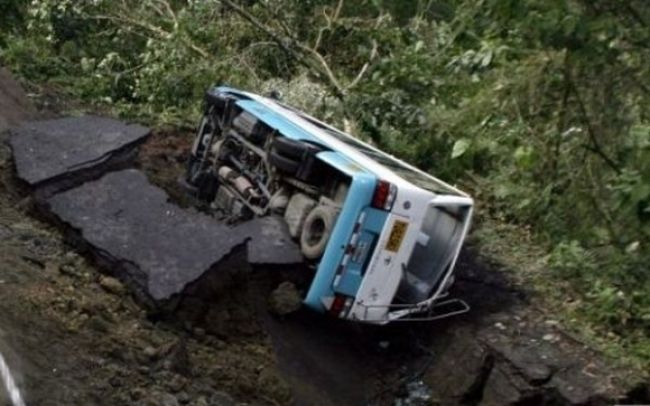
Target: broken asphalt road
{"points": [[127, 223]]}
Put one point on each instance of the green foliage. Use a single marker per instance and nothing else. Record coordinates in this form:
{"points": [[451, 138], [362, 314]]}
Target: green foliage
{"points": [[539, 107]]}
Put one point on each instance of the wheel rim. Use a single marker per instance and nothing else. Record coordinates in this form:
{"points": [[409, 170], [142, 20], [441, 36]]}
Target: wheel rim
{"points": [[316, 231]]}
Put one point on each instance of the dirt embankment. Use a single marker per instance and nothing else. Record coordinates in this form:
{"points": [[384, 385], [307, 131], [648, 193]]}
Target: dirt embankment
{"points": [[76, 336]]}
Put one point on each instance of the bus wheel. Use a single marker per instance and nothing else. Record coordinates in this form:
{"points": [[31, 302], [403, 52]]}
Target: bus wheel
{"points": [[316, 231]]}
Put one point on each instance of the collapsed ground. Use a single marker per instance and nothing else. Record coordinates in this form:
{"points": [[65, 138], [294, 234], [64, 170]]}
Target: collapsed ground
{"points": [[75, 335]]}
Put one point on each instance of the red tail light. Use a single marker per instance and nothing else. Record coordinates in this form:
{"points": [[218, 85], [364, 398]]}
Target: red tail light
{"points": [[337, 305], [384, 196]]}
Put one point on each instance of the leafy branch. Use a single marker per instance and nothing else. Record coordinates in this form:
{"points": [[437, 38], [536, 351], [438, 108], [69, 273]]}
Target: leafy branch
{"points": [[309, 56]]}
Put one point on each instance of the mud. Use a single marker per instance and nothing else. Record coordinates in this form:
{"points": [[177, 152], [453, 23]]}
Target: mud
{"points": [[73, 336]]}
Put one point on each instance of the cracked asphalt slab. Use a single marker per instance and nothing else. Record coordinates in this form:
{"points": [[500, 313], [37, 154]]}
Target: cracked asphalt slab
{"points": [[50, 151], [126, 219], [129, 220]]}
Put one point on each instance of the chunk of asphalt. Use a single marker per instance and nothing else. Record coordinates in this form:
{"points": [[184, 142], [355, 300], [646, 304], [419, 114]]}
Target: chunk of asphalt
{"points": [[152, 245], [270, 242], [54, 155]]}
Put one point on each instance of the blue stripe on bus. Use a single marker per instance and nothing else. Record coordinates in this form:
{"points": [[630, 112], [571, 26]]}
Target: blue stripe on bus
{"points": [[359, 196]]}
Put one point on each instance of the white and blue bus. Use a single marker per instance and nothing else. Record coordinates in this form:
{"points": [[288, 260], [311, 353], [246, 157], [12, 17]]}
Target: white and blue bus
{"points": [[382, 235]]}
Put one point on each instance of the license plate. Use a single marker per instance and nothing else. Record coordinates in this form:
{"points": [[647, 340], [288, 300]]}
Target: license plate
{"points": [[396, 235]]}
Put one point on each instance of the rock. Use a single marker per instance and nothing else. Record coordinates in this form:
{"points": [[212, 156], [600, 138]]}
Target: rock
{"points": [[459, 369], [150, 352], [183, 398], [417, 393], [177, 358], [121, 354], [42, 245], [61, 153], [273, 384], [526, 359], [137, 393], [116, 381], [577, 388], [201, 401], [69, 270], [503, 387], [112, 285], [5, 232], [285, 299]]}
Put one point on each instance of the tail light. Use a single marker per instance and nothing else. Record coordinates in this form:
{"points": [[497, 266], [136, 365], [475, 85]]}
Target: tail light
{"points": [[340, 305], [384, 196]]}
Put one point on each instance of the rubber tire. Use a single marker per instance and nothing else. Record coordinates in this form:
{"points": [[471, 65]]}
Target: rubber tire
{"points": [[291, 148], [309, 248], [284, 164]]}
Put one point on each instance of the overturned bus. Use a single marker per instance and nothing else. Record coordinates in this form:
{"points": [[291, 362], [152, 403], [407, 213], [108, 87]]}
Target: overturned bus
{"points": [[382, 235]]}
